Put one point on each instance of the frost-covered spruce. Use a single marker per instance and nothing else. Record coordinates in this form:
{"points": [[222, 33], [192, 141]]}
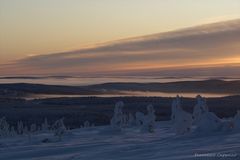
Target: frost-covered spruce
{"points": [[29, 132], [131, 120], [236, 121], [206, 121], [45, 126], [13, 132], [199, 109], [125, 120], [20, 127], [86, 124], [4, 128], [33, 128], [176, 107], [149, 120], [174, 110], [182, 120], [25, 130], [117, 119], [139, 118], [59, 128]]}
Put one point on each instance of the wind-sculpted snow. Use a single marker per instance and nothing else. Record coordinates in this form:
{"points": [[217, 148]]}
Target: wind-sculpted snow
{"points": [[131, 144]]}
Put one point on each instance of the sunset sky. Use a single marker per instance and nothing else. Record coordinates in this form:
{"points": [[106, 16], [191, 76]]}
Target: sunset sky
{"points": [[112, 36]]}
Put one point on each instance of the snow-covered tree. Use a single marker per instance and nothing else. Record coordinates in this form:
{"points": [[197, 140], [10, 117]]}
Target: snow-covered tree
{"points": [[33, 128], [204, 120], [59, 128], [139, 118], [45, 126], [125, 120], [20, 127], [39, 128], [117, 119], [26, 130], [4, 127], [182, 120], [12, 131], [236, 120], [131, 120], [149, 120], [29, 132], [176, 107], [199, 109], [86, 124]]}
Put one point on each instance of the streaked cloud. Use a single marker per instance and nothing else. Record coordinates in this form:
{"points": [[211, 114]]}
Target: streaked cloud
{"points": [[204, 45]]}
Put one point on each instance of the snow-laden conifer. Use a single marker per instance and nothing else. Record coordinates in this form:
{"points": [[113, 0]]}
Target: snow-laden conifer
{"points": [[117, 119], [59, 128], [204, 120], [236, 121], [131, 120], [45, 126], [4, 127], [20, 127], [182, 120], [86, 124], [149, 120], [139, 118], [33, 128], [199, 109]]}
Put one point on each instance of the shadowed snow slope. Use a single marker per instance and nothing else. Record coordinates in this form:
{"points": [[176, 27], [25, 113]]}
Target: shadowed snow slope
{"points": [[98, 143]]}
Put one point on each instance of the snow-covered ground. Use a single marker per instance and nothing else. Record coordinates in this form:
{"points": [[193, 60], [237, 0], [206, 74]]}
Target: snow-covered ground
{"points": [[100, 143]]}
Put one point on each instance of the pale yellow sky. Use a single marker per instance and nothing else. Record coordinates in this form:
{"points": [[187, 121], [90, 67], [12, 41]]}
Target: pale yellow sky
{"points": [[33, 27]]}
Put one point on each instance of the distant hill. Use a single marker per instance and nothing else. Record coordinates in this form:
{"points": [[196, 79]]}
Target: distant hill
{"points": [[206, 86]]}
